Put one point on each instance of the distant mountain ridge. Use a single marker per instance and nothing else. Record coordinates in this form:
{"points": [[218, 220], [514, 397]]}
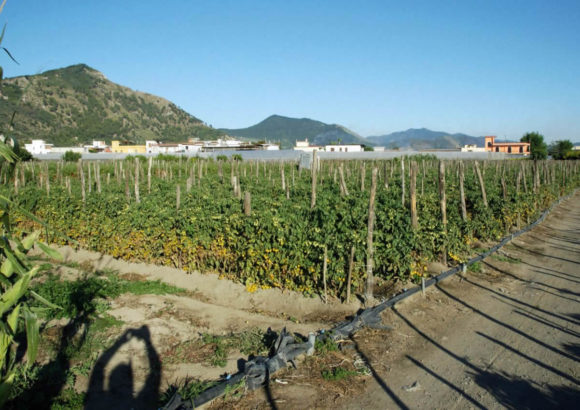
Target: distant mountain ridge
{"points": [[288, 130], [76, 104], [423, 138]]}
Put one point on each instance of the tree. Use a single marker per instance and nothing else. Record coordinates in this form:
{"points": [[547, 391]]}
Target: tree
{"points": [[538, 148], [559, 149]]}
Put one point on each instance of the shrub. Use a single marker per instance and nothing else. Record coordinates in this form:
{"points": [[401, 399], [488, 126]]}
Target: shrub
{"points": [[71, 156]]}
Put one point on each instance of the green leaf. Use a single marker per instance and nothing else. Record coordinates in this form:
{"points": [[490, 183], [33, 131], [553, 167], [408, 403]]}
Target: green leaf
{"points": [[51, 253], [32, 336], [13, 294], [5, 387], [16, 265], [43, 300], [12, 319], [7, 153], [7, 268], [29, 241]]}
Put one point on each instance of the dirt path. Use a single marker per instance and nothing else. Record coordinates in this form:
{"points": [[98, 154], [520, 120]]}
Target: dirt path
{"points": [[508, 337]]}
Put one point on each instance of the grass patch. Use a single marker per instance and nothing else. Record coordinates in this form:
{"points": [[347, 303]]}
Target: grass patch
{"points": [[505, 258], [87, 296], [325, 346], [476, 267], [338, 373], [188, 389], [214, 349]]}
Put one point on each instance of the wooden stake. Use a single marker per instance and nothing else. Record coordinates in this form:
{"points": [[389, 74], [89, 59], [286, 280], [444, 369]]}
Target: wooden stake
{"points": [[82, 174], [370, 248], [413, 188], [137, 197], [443, 204], [324, 267], [150, 165], [403, 181], [314, 173], [247, 203], [481, 184], [350, 270], [462, 191]]}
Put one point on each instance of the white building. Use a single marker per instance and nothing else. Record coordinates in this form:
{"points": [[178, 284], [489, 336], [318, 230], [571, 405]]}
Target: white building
{"points": [[62, 150], [270, 147], [344, 148], [472, 148], [96, 146], [38, 147], [305, 146]]}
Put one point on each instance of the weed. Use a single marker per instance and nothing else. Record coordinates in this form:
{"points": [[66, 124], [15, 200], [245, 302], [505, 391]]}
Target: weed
{"points": [[69, 399], [87, 296], [325, 346], [234, 391], [188, 389], [214, 349], [338, 373], [476, 267], [505, 258]]}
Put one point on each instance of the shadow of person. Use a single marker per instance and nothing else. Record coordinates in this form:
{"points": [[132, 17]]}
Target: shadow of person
{"points": [[120, 393]]}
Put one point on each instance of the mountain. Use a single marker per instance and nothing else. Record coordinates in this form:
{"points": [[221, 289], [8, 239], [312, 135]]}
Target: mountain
{"points": [[287, 130], [422, 138], [76, 104]]}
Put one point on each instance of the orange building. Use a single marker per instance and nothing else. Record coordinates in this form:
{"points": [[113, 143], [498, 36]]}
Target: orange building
{"points": [[506, 147]]}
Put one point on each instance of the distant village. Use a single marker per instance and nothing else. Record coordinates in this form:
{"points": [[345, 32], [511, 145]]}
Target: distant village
{"points": [[41, 147], [194, 146]]}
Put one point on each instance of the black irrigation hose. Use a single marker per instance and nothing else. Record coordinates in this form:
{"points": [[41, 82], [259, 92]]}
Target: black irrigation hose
{"points": [[368, 316]]}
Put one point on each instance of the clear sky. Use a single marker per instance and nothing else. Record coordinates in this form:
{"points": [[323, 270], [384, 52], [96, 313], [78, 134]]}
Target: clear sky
{"points": [[479, 67]]}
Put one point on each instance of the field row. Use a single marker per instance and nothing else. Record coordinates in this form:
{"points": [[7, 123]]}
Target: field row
{"points": [[269, 224]]}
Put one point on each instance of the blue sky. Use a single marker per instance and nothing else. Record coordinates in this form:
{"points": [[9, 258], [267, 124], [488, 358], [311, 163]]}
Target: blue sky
{"points": [[478, 67]]}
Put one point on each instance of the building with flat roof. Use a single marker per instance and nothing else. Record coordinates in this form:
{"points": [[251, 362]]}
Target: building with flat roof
{"points": [[522, 148]]}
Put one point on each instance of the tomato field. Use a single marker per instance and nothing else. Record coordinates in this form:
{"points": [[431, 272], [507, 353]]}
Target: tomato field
{"points": [[269, 224]]}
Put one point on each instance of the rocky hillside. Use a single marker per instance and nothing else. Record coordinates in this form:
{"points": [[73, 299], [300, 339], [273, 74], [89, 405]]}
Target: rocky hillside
{"points": [[77, 104]]}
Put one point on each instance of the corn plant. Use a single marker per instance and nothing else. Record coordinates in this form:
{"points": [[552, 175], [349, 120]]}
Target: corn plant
{"points": [[16, 272]]}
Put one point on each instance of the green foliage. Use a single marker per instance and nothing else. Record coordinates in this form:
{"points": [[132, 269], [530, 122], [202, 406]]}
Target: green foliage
{"points": [[168, 157], [287, 130], [281, 244], [16, 272], [250, 342], [188, 389], [367, 148], [538, 148], [325, 346], [575, 154], [338, 373], [559, 149], [71, 156], [22, 154], [237, 157], [87, 295], [221, 158], [76, 104], [476, 267]]}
